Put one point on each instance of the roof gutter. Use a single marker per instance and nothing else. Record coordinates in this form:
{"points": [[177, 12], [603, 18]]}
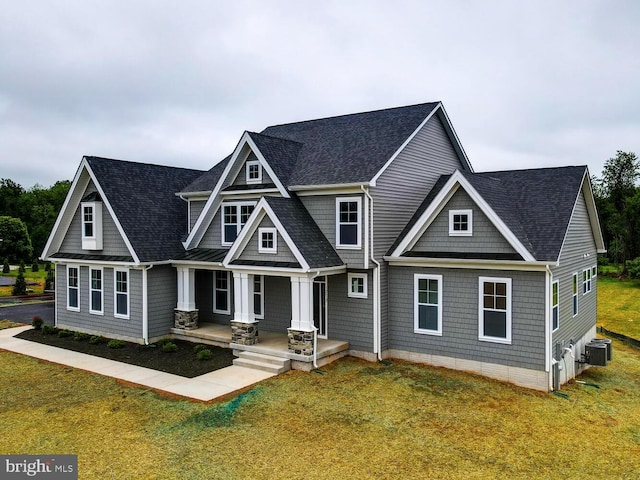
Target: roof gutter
{"points": [[470, 263]]}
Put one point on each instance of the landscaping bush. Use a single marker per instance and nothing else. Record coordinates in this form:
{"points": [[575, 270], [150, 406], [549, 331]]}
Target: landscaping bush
{"points": [[49, 330], [81, 336], [65, 333], [35, 267], [204, 354], [116, 344], [97, 339], [20, 287], [37, 322], [633, 267], [198, 348], [5, 266], [163, 341], [169, 347]]}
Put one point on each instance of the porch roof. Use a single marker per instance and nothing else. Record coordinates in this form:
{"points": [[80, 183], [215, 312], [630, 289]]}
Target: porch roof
{"points": [[208, 255]]}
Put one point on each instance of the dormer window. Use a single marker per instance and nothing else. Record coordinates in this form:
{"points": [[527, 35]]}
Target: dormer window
{"points": [[460, 223], [91, 215], [253, 171]]}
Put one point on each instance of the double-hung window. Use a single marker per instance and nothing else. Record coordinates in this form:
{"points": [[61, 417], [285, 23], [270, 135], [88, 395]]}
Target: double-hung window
{"points": [[460, 223], [348, 222], [495, 310], [267, 240], [221, 292], [357, 285], [95, 291], [427, 313], [234, 217], [258, 296], [586, 281], [575, 294], [73, 289], [121, 293], [555, 305], [91, 216]]}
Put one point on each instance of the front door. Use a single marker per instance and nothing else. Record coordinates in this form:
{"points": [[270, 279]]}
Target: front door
{"points": [[320, 305]]}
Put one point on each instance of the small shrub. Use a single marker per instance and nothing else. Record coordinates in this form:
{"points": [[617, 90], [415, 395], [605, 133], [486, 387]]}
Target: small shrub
{"points": [[198, 348], [5, 266], [204, 354], [79, 336], [97, 339], [169, 347], [35, 267], [20, 287], [633, 267], [65, 333], [49, 330], [37, 322], [163, 341], [116, 344]]}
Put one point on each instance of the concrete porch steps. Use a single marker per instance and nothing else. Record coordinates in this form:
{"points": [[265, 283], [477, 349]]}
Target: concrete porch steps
{"points": [[265, 363]]}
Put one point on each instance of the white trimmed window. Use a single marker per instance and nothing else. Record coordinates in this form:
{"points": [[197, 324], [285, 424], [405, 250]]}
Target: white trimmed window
{"points": [[427, 306], [258, 296], [267, 240], [594, 271], [357, 285], [575, 294], [73, 289], [234, 217], [221, 292], [586, 281], [495, 310], [253, 171], [91, 225], [555, 305], [121, 293], [95, 291], [348, 222], [460, 223]]}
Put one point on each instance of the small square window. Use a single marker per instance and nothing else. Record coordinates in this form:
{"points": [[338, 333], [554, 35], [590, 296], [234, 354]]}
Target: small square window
{"points": [[357, 285], [253, 171], [460, 223], [267, 240]]}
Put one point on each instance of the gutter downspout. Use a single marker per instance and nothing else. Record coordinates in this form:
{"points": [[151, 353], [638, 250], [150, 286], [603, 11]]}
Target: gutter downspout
{"points": [[377, 342], [145, 305]]}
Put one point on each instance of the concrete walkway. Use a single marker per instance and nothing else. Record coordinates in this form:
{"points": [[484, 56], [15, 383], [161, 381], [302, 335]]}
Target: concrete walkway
{"points": [[205, 387]]}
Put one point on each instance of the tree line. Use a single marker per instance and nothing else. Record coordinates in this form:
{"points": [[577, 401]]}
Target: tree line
{"points": [[27, 217]]}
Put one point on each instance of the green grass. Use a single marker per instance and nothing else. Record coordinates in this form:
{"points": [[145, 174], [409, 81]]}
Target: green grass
{"points": [[8, 324], [29, 276], [619, 305]]}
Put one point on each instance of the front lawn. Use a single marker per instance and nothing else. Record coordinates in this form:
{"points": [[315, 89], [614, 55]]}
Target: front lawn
{"points": [[619, 305], [359, 420], [36, 278]]}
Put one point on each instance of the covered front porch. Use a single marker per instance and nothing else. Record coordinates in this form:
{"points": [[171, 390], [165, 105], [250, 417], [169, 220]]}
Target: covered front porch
{"points": [[270, 343]]}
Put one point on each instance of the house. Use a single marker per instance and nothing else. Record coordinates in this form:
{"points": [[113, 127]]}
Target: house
{"points": [[366, 234]]}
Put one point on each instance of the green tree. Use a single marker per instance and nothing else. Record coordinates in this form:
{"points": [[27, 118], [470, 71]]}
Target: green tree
{"points": [[15, 244], [20, 287], [10, 193], [5, 266]]}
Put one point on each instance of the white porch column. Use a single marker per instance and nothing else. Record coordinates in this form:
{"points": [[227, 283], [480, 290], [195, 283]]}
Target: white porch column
{"points": [[302, 304], [186, 289], [243, 297]]}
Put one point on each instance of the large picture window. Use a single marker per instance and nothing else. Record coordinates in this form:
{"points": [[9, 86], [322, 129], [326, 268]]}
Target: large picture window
{"points": [[348, 222], [234, 217], [427, 317], [95, 291], [121, 297], [73, 289], [221, 292], [495, 309]]}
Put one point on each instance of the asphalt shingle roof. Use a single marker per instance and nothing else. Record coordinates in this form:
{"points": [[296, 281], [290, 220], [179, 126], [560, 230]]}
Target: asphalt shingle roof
{"points": [[207, 181], [143, 199], [536, 205], [304, 232]]}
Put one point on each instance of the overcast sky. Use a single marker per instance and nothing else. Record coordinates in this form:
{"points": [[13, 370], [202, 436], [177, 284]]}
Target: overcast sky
{"points": [[526, 84]]}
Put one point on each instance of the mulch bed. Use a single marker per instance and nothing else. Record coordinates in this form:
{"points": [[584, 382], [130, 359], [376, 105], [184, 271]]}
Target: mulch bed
{"points": [[182, 362]]}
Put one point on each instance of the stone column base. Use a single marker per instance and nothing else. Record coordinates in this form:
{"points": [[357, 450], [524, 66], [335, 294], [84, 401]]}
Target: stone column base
{"points": [[186, 320], [244, 333], [300, 342]]}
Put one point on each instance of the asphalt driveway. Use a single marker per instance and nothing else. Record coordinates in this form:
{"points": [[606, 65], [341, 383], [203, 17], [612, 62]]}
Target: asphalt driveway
{"points": [[24, 313]]}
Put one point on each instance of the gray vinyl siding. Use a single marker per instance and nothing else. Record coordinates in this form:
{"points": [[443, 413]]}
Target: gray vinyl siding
{"points": [[213, 236], [162, 299], [195, 209], [350, 319], [402, 188], [251, 252], [277, 304], [578, 243], [485, 236], [241, 176], [204, 298], [105, 324], [112, 242], [323, 211], [460, 311]]}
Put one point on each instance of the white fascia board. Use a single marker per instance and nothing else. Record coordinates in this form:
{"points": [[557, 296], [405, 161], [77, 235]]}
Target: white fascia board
{"points": [[266, 166], [56, 234], [468, 263], [328, 188], [286, 272], [373, 181], [439, 203], [448, 126], [262, 209], [101, 263], [249, 193], [200, 265]]}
